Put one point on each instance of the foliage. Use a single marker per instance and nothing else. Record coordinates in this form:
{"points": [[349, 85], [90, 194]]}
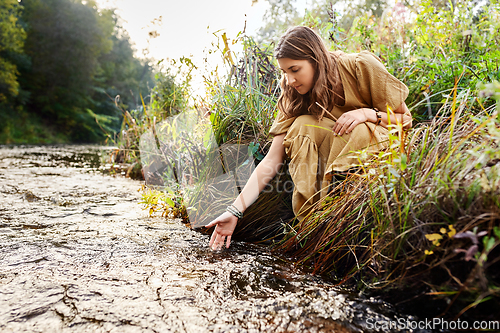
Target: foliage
{"points": [[168, 203], [76, 58], [283, 14], [431, 49], [19, 126], [169, 96], [120, 77], [491, 90], [12, 37], [405, 217], [280, 15], [60, 78], [207, 171], [242, 107]]}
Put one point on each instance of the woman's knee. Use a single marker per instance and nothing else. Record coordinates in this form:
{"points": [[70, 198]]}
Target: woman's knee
{"points": [[364, 132], [309, 125], [301, 123]]}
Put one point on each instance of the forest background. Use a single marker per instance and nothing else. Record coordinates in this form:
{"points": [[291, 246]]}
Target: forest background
{"points": [[64, 62]]}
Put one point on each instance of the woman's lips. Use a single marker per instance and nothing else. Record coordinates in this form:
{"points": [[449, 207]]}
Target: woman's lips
{"points": [[297, 87]]}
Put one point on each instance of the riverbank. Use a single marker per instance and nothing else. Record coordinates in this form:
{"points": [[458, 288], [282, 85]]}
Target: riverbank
{"points": [[80, 255]]}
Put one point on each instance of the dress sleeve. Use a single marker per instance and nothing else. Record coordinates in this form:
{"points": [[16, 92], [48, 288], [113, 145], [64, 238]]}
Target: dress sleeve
{"points": [[281, 124], [376, 85]]}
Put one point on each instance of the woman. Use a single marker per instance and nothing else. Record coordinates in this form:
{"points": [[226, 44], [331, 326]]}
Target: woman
{"points": [[331, 104]]}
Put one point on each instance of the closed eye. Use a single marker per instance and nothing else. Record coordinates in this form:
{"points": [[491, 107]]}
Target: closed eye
{"points": [[295, 70]]}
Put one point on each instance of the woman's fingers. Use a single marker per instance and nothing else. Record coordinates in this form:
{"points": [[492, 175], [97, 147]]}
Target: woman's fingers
{"points": [[345, 123], [351, 127], [224, 227], [217, 240], [212, 239], [343, 127], [214, 242], [338, 129]]}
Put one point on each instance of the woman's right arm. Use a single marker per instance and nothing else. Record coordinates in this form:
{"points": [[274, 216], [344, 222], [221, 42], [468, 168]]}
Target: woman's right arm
{"points": [[261, 176]]}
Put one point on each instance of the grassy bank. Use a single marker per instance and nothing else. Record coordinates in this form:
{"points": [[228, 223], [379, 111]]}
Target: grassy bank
{"points": [[422, 217], [21, 127]]}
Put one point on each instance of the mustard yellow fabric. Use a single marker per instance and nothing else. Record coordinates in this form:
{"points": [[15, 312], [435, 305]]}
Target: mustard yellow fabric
{"points": [[314, 152]]}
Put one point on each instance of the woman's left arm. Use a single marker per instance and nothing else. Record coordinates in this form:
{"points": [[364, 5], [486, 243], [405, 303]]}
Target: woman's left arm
{"points": [[349, 120]]}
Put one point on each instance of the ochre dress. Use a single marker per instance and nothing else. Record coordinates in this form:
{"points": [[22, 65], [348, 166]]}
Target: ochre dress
{"points": [[314, 152]]}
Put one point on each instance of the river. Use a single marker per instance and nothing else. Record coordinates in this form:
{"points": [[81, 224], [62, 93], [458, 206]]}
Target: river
{"points": [[79, 254]]}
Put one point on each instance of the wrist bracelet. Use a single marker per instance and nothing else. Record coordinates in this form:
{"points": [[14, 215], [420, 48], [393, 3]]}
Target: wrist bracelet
{"points": [[379, 116], [235, 211]]}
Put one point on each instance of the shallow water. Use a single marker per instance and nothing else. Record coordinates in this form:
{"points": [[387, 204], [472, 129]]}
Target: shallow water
{"points": [[80, 255]]}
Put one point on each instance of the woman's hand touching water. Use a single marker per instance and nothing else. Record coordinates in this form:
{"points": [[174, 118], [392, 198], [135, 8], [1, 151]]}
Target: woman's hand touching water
{"points": [[260, 177], [224, 228]]}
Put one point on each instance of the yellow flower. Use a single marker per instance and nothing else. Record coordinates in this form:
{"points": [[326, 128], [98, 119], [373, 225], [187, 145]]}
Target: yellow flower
{"points": [[452, 231], [434, 238], [427, 252]]}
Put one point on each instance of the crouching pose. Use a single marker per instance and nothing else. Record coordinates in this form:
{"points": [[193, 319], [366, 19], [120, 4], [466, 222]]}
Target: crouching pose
{"points": [[331, 104]]}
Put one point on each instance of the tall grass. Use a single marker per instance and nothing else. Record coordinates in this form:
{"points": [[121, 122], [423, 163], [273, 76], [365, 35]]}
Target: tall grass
{"points": [[416, 210], [205, 174], [242, 108]]}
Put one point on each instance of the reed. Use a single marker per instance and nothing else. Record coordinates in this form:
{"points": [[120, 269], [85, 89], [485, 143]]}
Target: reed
{"points": [[181, 157], [427, 205]]}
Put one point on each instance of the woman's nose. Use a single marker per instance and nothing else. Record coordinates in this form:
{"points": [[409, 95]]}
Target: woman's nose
{"points": [[290, 79]]}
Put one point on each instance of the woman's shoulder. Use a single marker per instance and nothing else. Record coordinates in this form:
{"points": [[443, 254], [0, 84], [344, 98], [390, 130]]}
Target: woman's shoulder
{"points": [[358, 57], [360, 63], [368, 57], [346, 62]]}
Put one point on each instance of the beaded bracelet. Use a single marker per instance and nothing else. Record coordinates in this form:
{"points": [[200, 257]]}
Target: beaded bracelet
{"points": [[379, 116], [235, 211]]}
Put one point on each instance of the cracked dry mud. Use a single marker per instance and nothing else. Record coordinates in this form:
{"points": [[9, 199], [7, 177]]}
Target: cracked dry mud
{"points": [[80, 255]]}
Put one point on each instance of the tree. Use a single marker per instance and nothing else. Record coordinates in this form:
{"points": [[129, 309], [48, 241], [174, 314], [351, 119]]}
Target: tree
{"points": [[62, 63], [12, 37], [120, 77], [64, 41], [283, 14]]}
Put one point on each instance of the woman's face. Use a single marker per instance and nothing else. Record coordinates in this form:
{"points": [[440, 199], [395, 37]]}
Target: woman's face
{"points": [[298, 73]]}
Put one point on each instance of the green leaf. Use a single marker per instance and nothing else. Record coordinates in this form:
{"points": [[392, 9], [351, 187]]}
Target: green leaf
{"points": [[496, 231], [404, 159], [170, 202], [489, 242], [207, 139]]}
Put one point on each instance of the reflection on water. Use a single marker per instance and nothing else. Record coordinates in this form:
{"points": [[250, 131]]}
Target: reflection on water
{"points": [[53, 156], [80, 255]]}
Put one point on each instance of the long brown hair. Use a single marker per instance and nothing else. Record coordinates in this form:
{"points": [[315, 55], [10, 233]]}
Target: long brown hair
{"points": [[302, 43]]}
